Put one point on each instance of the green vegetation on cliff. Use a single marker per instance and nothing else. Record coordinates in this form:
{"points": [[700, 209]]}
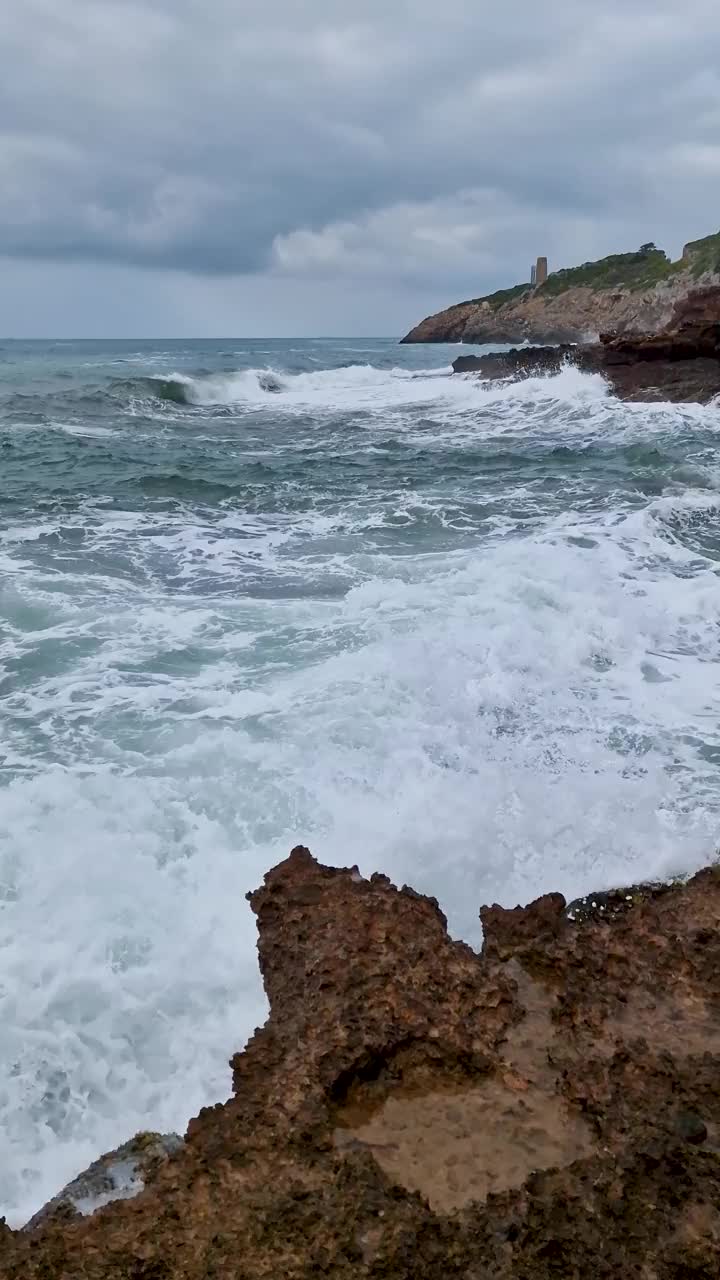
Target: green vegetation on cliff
{"points": [[631, 292], [500, 297], [639, 270], [703, 255], [644, 269]]}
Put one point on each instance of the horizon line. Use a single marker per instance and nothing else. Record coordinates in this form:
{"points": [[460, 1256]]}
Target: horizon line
{"points": [[316, 337]]}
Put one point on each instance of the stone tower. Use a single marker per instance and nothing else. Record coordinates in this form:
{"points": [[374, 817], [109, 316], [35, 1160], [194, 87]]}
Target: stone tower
{"points": [[541, 271]]}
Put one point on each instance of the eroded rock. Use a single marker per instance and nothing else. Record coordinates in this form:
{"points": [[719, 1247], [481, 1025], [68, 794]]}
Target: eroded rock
{"points": [[118, 1175], [413, 1110]]}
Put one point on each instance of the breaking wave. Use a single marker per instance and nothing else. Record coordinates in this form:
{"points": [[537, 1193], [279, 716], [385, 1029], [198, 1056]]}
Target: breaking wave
{"points": [[465, 634], [253, 386], [353, 387]]}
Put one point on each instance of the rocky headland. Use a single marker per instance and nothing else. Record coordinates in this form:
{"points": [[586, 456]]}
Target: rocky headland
{"points": [[417, 1111], [679, 362], [624, 293]]}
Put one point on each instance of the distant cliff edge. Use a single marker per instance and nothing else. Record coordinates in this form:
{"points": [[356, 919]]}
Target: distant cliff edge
{"points": [[625, 293]]}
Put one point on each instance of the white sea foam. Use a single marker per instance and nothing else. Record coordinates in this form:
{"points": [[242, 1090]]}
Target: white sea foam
{"points": [[536, 710], [364, 387]]}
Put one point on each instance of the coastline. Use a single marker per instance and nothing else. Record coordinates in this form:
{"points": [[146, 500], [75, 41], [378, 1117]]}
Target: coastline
{"points": [[679, 363], [627, 293]]}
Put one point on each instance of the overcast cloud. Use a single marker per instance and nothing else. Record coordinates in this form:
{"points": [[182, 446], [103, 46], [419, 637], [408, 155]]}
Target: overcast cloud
{"points": [[232, 167]]}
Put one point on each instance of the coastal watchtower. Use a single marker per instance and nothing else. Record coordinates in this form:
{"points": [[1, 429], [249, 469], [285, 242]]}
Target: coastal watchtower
{"points": [[539, 273]]}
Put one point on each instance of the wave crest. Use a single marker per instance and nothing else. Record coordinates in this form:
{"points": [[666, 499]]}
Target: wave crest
{"points": [[366, 387], [356, 388], [254, 385]]}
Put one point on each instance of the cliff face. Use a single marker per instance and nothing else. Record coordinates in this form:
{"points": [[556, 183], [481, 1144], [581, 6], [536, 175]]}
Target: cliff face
{"points": [[415, 1111], [628, 293]]}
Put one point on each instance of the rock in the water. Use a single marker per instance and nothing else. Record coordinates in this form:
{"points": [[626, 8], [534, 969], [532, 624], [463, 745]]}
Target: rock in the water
{"points": [[610, 903], [119, 1175], [680, 362], [414, 1111], [521, 361]]}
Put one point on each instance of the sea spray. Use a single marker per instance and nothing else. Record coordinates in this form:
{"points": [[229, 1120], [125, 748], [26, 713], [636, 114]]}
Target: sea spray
{"points": [[463, 633]]}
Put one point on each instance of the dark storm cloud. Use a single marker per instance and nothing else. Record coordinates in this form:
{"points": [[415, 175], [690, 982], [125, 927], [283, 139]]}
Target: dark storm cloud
{"points": [[428, 150]]}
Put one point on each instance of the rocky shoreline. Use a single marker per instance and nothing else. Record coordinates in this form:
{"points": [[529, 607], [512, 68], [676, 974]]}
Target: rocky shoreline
{"points": [[679, 363], [624, 293], [414, 1110]]}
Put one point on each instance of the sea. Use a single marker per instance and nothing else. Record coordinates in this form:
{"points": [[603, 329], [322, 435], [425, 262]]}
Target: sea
{"points": [[262, 593]]}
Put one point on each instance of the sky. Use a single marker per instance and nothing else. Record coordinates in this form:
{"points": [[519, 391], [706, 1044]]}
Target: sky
{"points": [[319, 167]]}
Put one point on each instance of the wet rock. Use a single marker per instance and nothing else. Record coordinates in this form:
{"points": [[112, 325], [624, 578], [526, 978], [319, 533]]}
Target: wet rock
{"points": [[414, 1111], [680, 362], [506, 933], [119, 1175], [525, 361], [611, 903]]}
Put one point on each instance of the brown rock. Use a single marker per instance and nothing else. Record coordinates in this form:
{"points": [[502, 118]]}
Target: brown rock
{"points": [[692, 1128], [576, 313], [416, 1111], [681, 362], [119, 1175], [692, 333], [509, 933]]}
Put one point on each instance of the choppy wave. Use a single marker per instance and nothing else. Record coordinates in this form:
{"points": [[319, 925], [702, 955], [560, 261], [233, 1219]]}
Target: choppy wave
{"points": [[351, 386], [323, 386], [464, 633]]}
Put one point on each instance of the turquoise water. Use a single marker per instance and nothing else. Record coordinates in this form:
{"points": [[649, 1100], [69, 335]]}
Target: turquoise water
{"points": [[256, 593]]}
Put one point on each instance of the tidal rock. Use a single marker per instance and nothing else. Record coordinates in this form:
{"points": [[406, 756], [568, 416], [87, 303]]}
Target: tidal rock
{"points": [[681, 362], [119, 1175], [523, 361], [414, 1111], [611, 903]]}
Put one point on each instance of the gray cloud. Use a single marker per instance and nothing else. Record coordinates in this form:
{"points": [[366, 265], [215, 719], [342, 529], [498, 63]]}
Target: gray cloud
{"points": [[439, 147]]}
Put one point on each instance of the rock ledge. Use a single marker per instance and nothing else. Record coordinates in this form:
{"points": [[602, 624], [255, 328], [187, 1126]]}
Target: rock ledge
{"points": [[549, 1108], [680, 362]]}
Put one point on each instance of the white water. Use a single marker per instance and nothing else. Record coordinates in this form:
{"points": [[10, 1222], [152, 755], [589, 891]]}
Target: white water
{"points": [[485, 722], [363, 387], [350, 387]]}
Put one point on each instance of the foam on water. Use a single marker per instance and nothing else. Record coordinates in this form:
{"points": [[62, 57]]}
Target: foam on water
{"points": [[365, 387], [484, 687]]}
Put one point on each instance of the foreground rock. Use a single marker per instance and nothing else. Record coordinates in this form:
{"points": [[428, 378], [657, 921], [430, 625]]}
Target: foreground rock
{"points": [[412, 1110], [679, 363]]}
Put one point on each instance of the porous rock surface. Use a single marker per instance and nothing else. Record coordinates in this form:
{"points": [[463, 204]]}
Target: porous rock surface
{"points": [[415, 1111]]}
